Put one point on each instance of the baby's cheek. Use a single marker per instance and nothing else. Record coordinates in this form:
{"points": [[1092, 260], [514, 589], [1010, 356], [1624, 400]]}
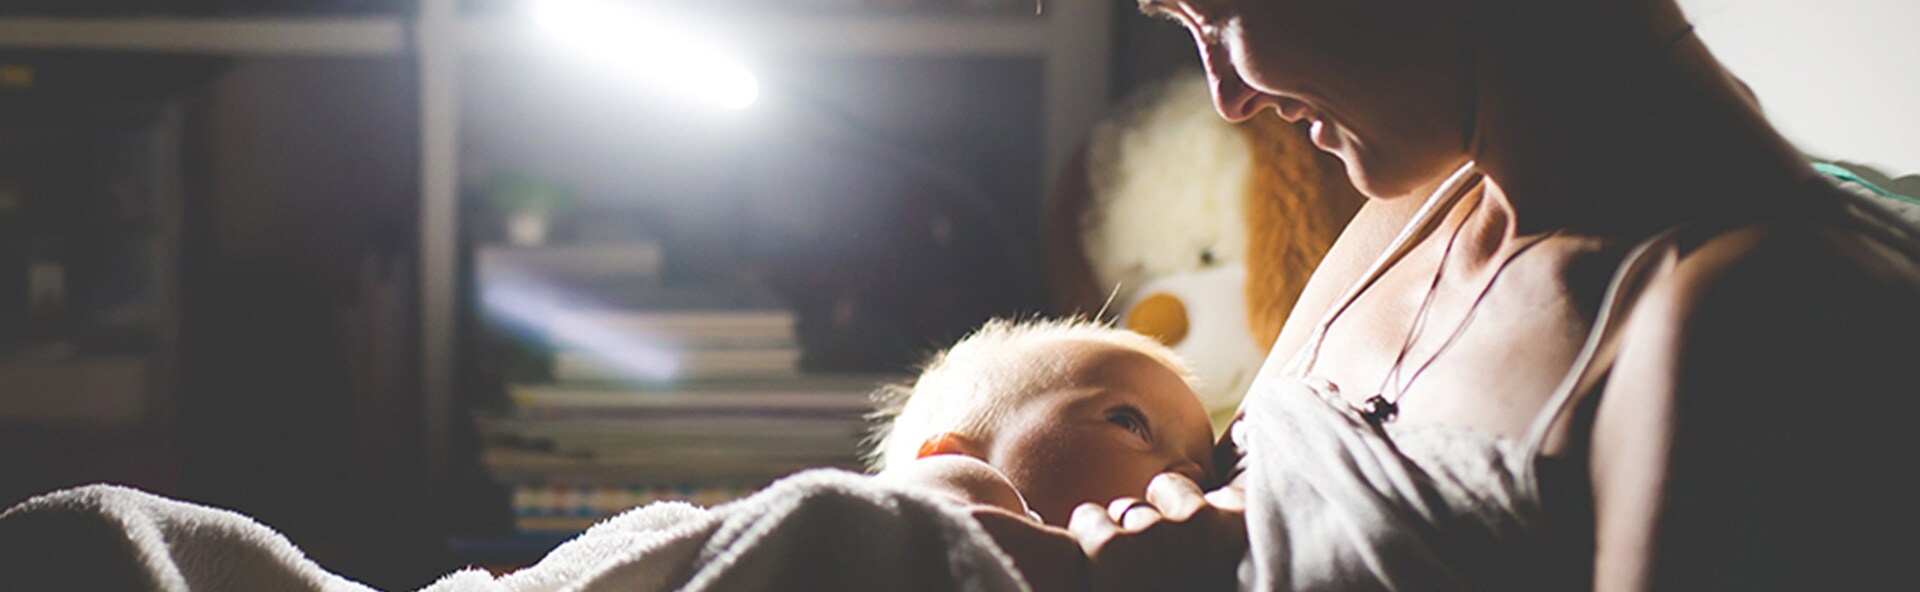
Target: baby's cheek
{"points": [[1121, 477], [1140, 473], [1054, 490]]}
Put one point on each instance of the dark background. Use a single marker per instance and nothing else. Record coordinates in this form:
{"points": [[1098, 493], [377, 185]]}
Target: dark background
{"points": [[285, 256]]}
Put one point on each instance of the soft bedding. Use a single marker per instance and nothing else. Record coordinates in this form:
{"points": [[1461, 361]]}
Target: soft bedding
{"points": [[818, 530]]}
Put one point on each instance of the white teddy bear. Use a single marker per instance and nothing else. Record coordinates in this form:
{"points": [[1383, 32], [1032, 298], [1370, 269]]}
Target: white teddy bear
{"points": [[1159, 230]]}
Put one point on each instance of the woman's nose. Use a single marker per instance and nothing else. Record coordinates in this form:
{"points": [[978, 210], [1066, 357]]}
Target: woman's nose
{"points": [[1231, 96]]}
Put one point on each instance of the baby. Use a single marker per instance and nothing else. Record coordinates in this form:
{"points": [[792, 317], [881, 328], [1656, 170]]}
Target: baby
{"points": [[1030, 419]]}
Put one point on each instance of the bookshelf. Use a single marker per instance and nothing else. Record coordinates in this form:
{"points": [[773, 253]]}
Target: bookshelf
{"points": [[89, 337], [348, 36], [387, 36], [1071, 42], [843, 35]]}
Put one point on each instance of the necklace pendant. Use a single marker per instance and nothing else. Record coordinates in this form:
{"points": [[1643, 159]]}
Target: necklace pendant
{"points": [[1378, 410]]}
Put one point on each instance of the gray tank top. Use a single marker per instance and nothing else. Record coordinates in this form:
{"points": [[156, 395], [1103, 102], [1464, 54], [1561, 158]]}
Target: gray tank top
{"points": [[1336, 504]]}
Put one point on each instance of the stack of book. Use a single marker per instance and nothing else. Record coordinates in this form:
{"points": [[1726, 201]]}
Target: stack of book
{"points": [[674, 333], [658, 391], [575, 453]]}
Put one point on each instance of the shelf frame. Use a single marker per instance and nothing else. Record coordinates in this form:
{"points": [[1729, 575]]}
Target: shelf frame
{"points": [[882, 35], [878, 35], [335, 37]]}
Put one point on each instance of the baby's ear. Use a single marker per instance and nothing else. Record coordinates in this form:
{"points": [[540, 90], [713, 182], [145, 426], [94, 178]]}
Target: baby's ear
{"points": [[949, 443]]}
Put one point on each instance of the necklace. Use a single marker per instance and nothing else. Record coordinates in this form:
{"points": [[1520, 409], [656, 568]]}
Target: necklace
{"points": [[1378, 409]]}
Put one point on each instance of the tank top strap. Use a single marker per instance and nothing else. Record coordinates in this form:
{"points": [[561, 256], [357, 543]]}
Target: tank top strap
{"points": [[1457, 186], [1596, 354]]}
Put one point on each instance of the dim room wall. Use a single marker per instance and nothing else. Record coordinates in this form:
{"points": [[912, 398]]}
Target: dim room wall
{"points": [[1841, 78]]}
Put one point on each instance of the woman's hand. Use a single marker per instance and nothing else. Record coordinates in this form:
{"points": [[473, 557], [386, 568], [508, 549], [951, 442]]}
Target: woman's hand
{"points": [[1046, 556], [1177, 539]]}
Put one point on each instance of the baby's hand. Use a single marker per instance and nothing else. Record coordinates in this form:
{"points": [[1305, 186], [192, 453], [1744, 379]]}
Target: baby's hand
{"points": [[1177, 539]]}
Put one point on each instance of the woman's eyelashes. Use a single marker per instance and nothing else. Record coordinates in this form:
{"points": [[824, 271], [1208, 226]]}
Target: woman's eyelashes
{"points": [[1131, 419]]}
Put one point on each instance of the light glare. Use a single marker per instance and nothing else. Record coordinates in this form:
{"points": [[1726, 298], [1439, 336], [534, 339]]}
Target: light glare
{"points": [[534, 307], [644, 48]]}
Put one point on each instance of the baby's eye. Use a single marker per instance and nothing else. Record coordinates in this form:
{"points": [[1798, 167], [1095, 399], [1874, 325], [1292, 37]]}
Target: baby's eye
{"points": [[1132, 419]]}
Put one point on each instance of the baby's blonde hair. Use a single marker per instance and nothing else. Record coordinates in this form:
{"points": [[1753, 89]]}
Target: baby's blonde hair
{"points": [[966, 389]]}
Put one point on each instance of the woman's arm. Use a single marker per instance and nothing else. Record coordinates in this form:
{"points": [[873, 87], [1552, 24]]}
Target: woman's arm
{"points": [[1049, 558], [1179, 538], [1756, 423]]}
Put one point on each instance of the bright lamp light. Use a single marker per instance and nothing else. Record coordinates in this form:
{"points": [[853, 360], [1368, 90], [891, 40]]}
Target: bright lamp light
{"points": [[642, 47]]}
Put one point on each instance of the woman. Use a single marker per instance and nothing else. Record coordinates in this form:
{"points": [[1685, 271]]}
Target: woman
{"points": [[1631, 342]]}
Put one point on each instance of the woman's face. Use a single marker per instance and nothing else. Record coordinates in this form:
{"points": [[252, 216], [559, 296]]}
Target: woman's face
{"points": [[1382, 82]]}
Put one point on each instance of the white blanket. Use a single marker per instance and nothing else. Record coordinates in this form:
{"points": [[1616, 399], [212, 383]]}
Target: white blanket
{"points": [[819, 530]]}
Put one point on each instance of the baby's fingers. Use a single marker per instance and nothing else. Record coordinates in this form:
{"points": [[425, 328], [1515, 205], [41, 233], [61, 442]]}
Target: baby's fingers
{"points": [[1228, 498], [1175, 496], [1117, 509], [1092, 527]]}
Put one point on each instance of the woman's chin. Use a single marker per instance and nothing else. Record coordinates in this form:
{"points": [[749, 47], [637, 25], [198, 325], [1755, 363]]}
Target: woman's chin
{"points": [[1370, 185], [1390, 183]]}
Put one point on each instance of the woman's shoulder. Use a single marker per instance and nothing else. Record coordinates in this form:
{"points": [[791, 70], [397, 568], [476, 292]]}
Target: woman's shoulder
{"points": [[1778, 329], [1789, 282], [1823, 250], [1763, 377]]}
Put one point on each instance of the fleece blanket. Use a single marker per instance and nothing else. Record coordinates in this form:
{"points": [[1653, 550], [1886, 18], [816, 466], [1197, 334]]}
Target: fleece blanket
{"points": [[818, 530]]}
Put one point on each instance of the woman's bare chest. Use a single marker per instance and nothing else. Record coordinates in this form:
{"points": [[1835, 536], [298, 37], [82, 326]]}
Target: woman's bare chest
{"points": [[1482, 355]]}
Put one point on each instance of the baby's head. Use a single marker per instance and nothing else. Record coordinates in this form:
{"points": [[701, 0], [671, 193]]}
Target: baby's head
{"points": [[1069, 411]]}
